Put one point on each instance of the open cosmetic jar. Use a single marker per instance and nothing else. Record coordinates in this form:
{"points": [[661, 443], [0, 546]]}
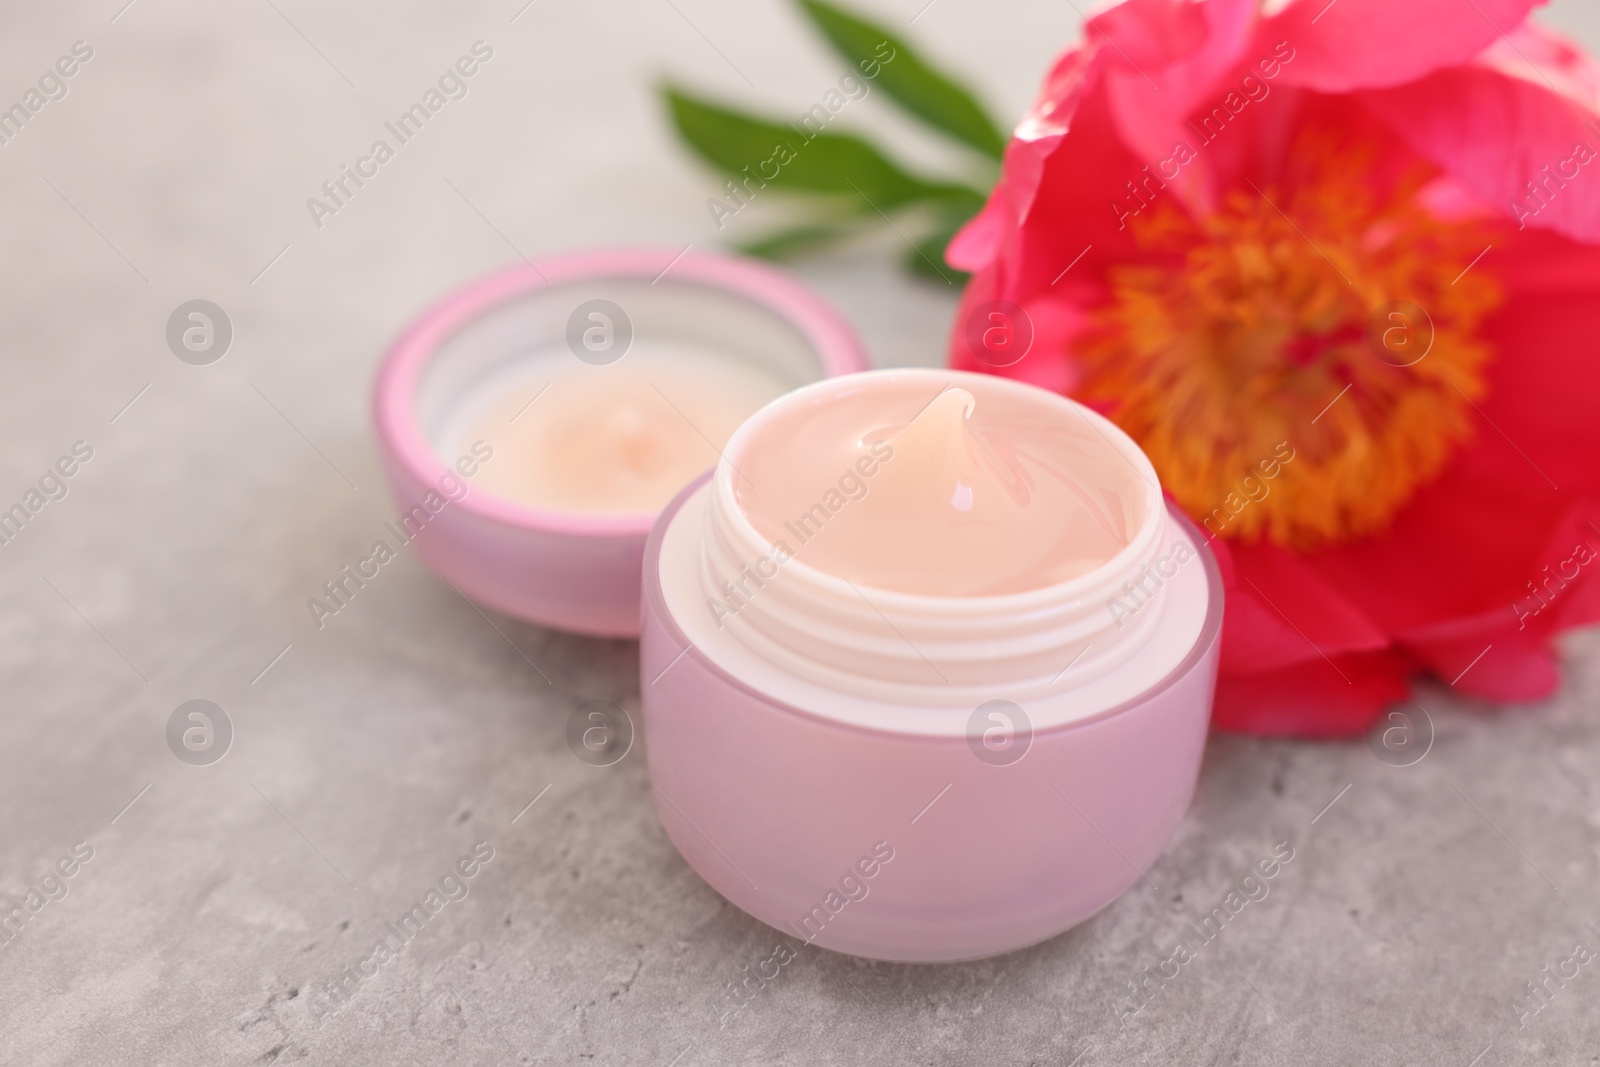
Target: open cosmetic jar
{"points": [[533, 424], [927, 663]]}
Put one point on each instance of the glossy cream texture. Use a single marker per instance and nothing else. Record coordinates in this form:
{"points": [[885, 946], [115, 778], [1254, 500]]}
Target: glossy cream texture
{"points": [[957, 487], [619, 439]]}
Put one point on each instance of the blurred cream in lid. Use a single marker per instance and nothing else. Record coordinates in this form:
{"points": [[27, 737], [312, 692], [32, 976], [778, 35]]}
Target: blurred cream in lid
{"points": [[615, 439], [534, 423]]}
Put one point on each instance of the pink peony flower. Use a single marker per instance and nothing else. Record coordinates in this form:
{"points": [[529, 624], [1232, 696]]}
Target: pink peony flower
{"points": [[1337, 268]]}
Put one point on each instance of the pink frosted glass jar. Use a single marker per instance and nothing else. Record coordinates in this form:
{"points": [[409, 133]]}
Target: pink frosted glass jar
{"points": [[571, 570], [907, 822]]}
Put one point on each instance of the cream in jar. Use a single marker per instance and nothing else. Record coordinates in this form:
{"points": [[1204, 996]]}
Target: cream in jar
{"points": [[890, 617], [922, 490]]}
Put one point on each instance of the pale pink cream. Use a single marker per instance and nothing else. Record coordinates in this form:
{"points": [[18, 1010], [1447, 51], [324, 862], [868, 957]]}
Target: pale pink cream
{"points": [[919, 486], [620, 439]]}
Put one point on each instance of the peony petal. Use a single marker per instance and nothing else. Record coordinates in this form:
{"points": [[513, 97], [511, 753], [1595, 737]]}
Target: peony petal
{"points": [[1531, 152], [1543, 386], [979, 243], [1170, 57], [1518, 667], [1281, 613], [1341, 45], [1299, 702], [1052, 321], [1539, 264], [1153, 33], [1535, 53], [1052, 248], [1504, 653]]}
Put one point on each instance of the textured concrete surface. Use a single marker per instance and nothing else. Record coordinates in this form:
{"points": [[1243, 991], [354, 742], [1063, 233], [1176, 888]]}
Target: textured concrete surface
{"points": [[221, 901]]}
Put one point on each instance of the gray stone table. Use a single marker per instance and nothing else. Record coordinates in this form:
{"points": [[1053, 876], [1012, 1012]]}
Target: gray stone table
{"points": [[220, 901]]}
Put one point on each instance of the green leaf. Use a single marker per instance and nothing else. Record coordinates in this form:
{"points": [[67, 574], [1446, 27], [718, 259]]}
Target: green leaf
{"points": [[798, 240], [933, 97], [960, 204], [927, 257], [760, 153]]}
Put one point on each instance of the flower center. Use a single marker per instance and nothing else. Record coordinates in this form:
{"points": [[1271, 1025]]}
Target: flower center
{"points": [[1325, 324]]}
